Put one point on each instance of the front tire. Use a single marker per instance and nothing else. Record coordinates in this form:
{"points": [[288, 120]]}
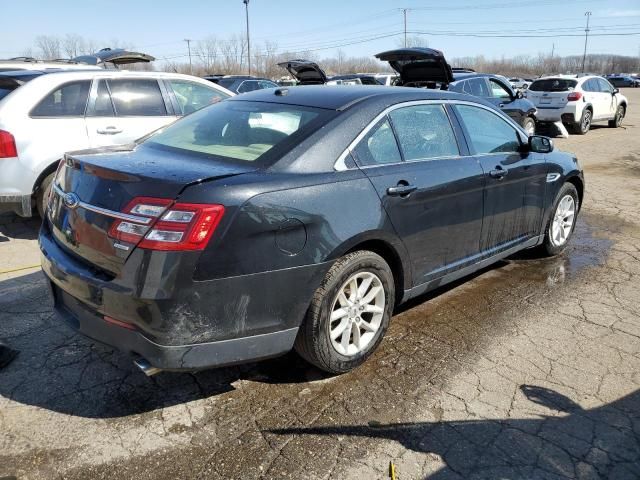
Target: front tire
{"points": [[42, 197], [617, 120], [529, 126], [562, 221], [349, 313]]}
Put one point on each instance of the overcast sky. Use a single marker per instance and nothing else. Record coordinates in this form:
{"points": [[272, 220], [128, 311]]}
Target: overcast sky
{"points": [[357, 27]]}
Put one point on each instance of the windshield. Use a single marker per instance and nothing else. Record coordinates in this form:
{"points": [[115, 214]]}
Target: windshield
{"points": [[242, 131], [553, 85]]}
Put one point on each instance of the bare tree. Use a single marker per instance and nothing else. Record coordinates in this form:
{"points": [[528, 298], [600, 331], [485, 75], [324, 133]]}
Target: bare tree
{"points": [[73, 45], [206, 51], [49, 46]]}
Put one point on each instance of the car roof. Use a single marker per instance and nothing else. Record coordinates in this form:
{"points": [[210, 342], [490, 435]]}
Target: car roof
{"points": [[340, 98]]}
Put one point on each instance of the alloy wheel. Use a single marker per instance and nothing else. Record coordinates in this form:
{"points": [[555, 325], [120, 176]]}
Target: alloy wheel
{"points": [[586, 121], [619, 116], [563, 219], [357, 313]]}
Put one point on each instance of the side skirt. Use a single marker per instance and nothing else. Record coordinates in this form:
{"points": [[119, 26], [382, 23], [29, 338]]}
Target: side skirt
{"points": [[463, 272]]}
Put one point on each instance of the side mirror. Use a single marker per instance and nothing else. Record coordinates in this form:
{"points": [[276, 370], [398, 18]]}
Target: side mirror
{"points": [[540, 144], [615, 90], [519, 94]]}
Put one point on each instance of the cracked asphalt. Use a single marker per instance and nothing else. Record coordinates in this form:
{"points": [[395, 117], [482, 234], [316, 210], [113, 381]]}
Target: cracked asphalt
{"points": [[529, 369]]}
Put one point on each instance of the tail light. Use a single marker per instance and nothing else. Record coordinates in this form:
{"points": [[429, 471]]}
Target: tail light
{"points": [[7, 145], [574, 96], [172, 226]]}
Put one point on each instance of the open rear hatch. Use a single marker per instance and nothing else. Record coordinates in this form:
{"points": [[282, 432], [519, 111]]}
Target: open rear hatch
{"points": [[419, 67], [103, 205], [115, 56], [305, 71]]}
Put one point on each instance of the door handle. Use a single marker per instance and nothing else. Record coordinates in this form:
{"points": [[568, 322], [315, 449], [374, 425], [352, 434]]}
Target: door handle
{"points": [[109, 130], [501, 105], [498, 173], [401, 190]]}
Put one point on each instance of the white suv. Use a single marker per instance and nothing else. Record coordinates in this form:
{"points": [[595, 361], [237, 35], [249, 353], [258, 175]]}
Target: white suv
{"points": [[43, 115], [577, 101]]}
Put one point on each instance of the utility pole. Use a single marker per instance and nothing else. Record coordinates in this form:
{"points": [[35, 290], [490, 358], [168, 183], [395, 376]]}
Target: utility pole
{"points": [[188, 40], [404, 13], [246, 8], [586, 37]]}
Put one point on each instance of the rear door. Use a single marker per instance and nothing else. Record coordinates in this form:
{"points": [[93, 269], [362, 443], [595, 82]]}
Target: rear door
{"points": [[57, 122], [592, 95], [430, 189], [514, 180], [125, 109]]}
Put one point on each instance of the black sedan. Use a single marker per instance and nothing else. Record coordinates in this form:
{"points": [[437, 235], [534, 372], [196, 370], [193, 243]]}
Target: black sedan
{"points": [[295, 218]]}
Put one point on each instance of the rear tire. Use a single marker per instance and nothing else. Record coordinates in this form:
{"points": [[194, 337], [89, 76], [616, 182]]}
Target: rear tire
{"points": [[42, 197], [343, 326], [617, 120], [583, 126], [556, 233]]}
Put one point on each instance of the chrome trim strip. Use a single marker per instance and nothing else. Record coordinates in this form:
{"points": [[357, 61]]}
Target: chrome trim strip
{"points": [[106, 212], [340, 164]]}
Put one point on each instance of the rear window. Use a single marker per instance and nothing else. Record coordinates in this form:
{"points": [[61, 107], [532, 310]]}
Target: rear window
{"points": [[9, 83], [69, 100], [242, 131], [553, 85]]}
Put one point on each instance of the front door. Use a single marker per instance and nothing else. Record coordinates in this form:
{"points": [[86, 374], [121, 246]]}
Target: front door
{"points": [[514, 179], [432, 193]]}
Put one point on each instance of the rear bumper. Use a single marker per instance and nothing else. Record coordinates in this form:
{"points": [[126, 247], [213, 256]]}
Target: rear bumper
{"points": [[176, 323], [170, 357], [555, 114], [20, 204]]}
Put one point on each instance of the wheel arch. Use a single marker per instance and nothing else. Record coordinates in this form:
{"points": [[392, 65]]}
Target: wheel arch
{"points": [[577, 182], [44, 174], [390, 249]]}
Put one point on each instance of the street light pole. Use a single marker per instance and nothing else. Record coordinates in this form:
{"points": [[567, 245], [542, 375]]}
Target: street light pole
{"points": [[404, 12], [189, 47], [246, 7], [586, 37]]}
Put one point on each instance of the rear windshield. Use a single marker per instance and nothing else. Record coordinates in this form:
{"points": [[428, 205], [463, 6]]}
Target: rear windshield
{"points": [[242, 131], [553, 85]]}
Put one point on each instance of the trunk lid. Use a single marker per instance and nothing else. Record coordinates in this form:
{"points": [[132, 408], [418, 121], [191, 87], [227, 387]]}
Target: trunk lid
{"points": [[305, 71], [551, 92], [116, 56], [419, 65], [90, 190]]}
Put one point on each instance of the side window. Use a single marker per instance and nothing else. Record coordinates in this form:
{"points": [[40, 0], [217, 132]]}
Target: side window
{"points": [[487, 131], [248, 86], [424, 132], [477, 87], [498, 90], [379, 146], [265, 84], [137, 97], [192, 96], [590, 86], [69, 100], [605, 86], [103, 106]]}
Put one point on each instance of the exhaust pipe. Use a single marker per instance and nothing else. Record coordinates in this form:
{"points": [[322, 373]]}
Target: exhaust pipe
{"points": [[144, 365]]}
